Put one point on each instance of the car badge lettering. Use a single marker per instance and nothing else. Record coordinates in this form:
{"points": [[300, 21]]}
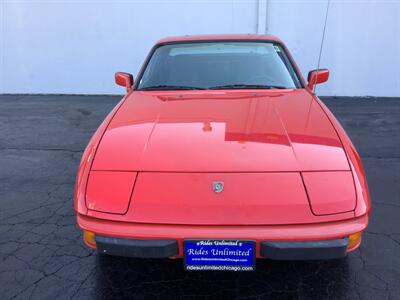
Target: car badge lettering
{"points": [[218, 186]]}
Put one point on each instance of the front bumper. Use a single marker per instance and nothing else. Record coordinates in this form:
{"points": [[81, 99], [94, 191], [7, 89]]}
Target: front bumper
{"points": [[313, 250], [322, 250], [136, 248], [294, 242]]}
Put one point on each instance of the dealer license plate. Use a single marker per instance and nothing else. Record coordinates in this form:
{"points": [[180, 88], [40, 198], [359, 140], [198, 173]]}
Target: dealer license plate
{"points": [[219, 255]]}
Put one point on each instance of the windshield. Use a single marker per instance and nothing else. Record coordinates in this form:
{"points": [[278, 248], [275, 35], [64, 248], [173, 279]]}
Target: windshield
{"points": [[214, 65]]}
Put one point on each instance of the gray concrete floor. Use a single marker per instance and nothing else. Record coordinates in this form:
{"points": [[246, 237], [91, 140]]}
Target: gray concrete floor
{"points": [[42, 255]]}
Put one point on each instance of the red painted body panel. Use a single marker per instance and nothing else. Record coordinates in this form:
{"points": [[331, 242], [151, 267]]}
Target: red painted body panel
{"points": [[103, 186], [220, 131], [360, 180], [217, 37], [330, 192], [290, 170], [248, 198], [87, 161]]}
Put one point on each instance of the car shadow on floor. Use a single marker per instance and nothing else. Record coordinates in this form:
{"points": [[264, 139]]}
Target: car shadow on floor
{"points": [[118, 277]]}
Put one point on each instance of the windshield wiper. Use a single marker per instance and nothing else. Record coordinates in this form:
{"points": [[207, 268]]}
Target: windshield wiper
{"points": [[246, 86], [169, 87]]}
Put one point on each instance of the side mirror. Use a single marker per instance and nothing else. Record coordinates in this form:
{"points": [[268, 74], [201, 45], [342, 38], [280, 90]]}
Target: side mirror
{"points": [[317, 76], [124, 79]]}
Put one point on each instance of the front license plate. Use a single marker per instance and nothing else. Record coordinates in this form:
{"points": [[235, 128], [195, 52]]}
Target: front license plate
{"points": [[219, 255]]}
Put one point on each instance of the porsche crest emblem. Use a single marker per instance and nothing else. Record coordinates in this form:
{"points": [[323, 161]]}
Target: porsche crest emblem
{"points": [[218, 186]]}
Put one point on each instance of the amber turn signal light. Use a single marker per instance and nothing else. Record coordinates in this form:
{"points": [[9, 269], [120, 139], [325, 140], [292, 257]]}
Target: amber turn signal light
{"points": [[89, 238], [354, 241]]}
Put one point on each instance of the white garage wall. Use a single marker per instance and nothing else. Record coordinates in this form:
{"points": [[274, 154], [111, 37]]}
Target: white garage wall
{"points": [[71, 46], [361, 47]]}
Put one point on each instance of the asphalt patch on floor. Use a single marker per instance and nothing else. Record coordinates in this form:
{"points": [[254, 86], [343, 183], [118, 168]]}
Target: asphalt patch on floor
{"points": [[41, 251]]}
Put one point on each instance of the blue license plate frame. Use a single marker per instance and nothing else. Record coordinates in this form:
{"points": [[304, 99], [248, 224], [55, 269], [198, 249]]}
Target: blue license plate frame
{"points": [[219, 255]]}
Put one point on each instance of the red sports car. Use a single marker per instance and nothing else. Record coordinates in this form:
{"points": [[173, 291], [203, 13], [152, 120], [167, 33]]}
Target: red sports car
{"points": [[220, 154]]}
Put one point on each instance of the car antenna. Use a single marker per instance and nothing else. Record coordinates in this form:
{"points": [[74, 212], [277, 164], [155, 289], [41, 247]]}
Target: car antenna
{"points": [[322, 40]]}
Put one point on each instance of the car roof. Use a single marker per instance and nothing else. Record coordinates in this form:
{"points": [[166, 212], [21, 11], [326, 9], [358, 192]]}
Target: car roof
{"points": [[217, 37]]}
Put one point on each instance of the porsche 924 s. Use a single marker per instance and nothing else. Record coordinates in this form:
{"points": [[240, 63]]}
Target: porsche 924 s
{"points": [[220, 154]]}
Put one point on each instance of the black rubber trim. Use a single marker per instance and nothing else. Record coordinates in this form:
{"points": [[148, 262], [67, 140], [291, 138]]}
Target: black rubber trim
{"points": [[136, 248], [315, 250]]}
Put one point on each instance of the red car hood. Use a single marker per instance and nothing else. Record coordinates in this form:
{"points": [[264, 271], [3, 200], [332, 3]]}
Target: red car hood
{"points": [[220, 131]]}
